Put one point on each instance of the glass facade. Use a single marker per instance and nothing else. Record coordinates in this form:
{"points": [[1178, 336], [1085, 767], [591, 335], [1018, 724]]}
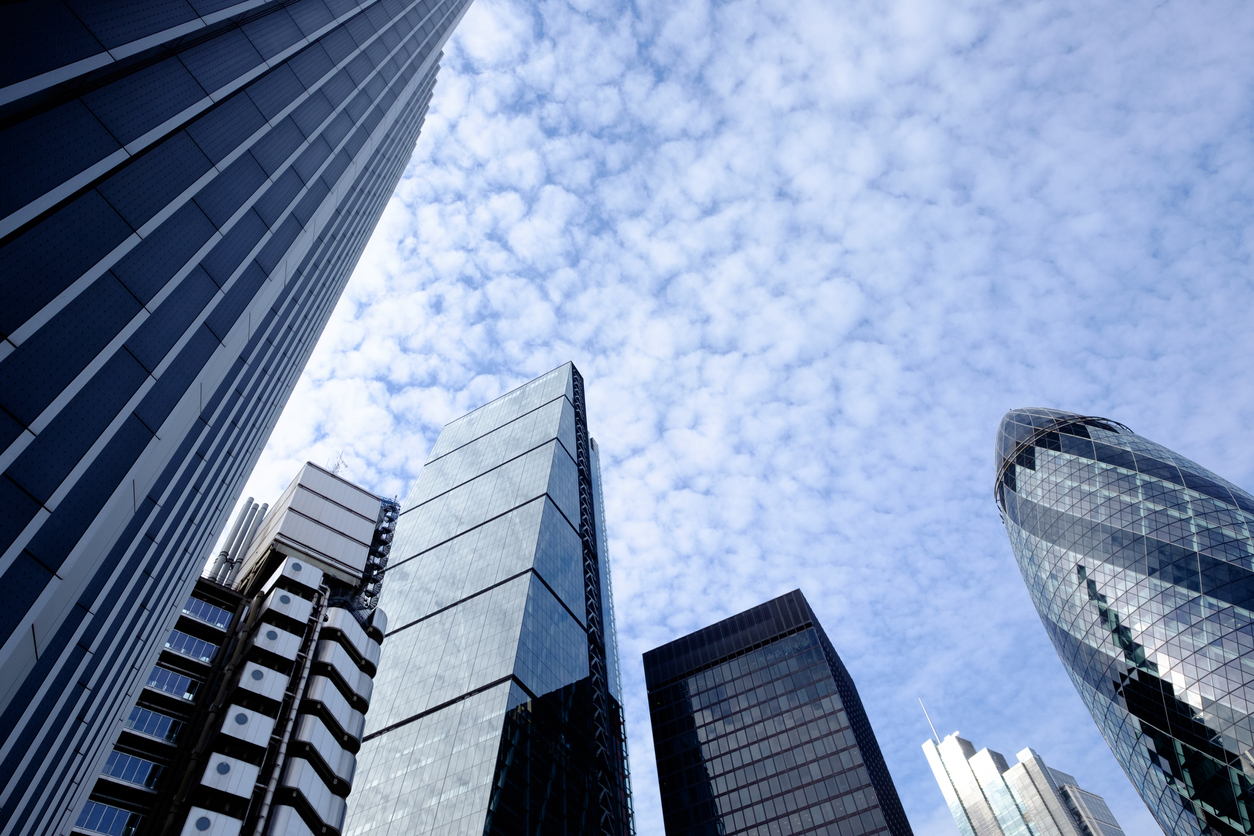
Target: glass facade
{"points": [[496, 709], [1141, 566], [187, 187], [988, 797], [759, 730]]}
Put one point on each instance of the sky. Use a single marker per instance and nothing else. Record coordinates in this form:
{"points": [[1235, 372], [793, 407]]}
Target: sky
{"points": [[806, 254]]}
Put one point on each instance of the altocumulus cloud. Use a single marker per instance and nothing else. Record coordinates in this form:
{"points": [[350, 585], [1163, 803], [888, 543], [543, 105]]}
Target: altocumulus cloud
{"points": [[806, 254]]}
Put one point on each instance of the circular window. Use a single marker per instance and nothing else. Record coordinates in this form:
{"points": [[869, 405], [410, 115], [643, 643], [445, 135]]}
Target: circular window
{"points": [[241, 718], [271, 635], [285, 599], [203, 823], [257, 675], [224, 768], [295, 567]]}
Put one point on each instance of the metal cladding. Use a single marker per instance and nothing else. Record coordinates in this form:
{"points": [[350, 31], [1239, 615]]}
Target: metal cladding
{"points": [[187, 187], [1141, 565]]}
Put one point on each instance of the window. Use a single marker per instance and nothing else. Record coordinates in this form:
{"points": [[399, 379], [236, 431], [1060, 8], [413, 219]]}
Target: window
{"points": [[151, 723], [191, 647], [170, 682], [133, 770], [101, 818]]}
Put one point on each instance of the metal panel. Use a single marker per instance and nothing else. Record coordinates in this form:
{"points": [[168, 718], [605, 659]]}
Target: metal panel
{"points": [[263, 681], [247, 725], [230, 775]]}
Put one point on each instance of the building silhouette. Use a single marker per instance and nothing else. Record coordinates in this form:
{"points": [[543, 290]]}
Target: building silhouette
{"points": [[988, 797], [187, 187], [498, 707], [759, 730], [1139, 564]]}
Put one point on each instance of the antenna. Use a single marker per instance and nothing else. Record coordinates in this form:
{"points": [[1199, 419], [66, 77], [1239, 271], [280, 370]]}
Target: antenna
{"points": [[929, 720], [339, 464]]}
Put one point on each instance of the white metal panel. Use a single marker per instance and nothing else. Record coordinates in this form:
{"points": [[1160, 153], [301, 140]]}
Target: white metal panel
{"points": [[322, 690], [230, 775], [285, 821], [202, 822], [319, 541], [338, 618], [299, 774], [285, 603], [296, 569], [310, 729], [335, 516], [263, 681], [339, 490], [277, 641], [247, 725], [333, 654]]}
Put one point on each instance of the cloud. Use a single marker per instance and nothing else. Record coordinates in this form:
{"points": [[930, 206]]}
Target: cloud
{"points": [[806, 254]]}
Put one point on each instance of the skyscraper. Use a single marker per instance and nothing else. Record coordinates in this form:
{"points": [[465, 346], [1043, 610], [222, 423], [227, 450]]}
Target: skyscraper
{"points": [[1139, 564], [249, 720], [988, 797], [498, 710], [187, 186], [759, 730]]}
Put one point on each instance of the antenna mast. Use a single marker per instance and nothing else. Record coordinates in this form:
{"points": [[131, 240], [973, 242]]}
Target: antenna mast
{"points": [[929, 720]]}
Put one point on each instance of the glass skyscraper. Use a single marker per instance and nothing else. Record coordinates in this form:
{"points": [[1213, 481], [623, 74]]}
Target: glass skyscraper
{"points": [[988, 797], [187, 187], [759, 731], [498, 708], [1140, 564]]}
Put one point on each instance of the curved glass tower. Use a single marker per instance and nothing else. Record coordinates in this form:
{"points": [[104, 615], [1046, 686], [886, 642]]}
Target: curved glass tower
{"points": [[1141, 565]]}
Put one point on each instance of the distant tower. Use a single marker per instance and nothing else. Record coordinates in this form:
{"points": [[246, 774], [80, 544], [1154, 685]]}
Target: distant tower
{"points": [[1141, 566], [185, 188], [988, 797], [759, 730]]}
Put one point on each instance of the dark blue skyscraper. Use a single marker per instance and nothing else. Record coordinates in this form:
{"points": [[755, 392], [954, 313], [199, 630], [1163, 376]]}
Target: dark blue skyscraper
{"points": [[759, 731], [185, 186], [1141, 565]]}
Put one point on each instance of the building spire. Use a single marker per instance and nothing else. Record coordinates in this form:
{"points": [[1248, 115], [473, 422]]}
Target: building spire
{"points": [[929, 720]]}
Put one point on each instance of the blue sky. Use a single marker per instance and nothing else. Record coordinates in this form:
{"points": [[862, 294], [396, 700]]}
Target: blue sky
{"points": [[806, 254]]}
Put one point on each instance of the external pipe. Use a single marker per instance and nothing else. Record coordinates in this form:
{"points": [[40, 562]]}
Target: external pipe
{"points": [[226, 544], [263, 812], [225, 571], [238, 561]]}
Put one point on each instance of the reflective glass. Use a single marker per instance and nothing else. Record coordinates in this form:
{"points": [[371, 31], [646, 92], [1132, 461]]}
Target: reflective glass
{"points": [[1141, 564], [759, 730]]}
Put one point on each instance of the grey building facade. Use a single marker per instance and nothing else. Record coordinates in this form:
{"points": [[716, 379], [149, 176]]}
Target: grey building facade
{"points": [[759, 730], [1141, 566], [989, 797], [498, 710], [187, 187]]}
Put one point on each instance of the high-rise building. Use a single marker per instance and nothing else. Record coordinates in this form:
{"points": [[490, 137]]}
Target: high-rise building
{"points": [[249, 719], [988, 797], [498, 710], [187, 185], [1141, 566], [759, 730]]}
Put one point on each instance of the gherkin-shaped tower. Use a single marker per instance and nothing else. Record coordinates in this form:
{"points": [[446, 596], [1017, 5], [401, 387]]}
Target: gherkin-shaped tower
{"points": [[1141, 565]]}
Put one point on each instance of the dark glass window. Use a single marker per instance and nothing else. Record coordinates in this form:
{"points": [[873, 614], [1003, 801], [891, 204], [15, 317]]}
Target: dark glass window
{"points": [[759, 731]]}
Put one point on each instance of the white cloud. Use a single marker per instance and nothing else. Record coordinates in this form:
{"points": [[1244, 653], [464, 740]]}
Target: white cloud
{"points": [[806, 254]]}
